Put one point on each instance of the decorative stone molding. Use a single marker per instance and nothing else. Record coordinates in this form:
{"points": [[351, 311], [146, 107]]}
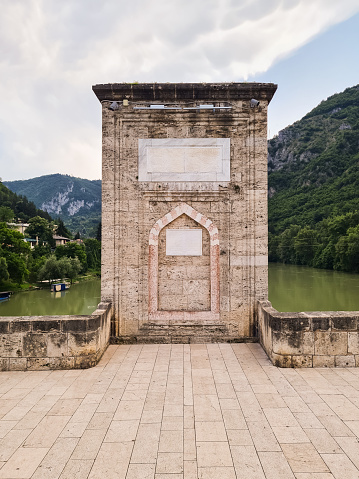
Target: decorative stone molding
{"points": [[154, 313]]}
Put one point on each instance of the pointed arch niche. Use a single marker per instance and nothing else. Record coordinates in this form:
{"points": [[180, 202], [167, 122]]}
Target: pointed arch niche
{"points": [[154, 312]]}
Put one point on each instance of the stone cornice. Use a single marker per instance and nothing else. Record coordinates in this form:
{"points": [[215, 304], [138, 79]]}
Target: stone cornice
{"points": [[179, 92]]}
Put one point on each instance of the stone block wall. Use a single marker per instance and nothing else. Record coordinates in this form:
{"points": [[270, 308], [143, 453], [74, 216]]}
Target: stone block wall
{"points": [[54, 342], [184, 281], [164, 155], [309, 339]]}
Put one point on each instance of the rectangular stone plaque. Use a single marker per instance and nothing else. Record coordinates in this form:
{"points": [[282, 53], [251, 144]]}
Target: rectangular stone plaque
{"points": [[183, 242], [184, 159]]}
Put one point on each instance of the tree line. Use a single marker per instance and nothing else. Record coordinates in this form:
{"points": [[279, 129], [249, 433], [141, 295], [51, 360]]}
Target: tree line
{"points": [[20, 263], [333, 243]]}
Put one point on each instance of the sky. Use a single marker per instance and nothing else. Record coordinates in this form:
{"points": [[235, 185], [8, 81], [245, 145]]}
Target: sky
{"points": [[52, 52]]}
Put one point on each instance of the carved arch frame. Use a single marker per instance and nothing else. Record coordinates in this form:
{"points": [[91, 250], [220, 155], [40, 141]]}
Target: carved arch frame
{"points": [[154, 313]]}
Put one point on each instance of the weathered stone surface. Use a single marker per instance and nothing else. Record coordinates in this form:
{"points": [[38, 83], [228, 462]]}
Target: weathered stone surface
{"points": [[34, 345], [211, 165], [331, 343], [17, 364], [345, 361], [323, 361], [282, 361], [10, 345], [345, 323], [57, 344], [353, 342], [303, 361], [293, 342]]}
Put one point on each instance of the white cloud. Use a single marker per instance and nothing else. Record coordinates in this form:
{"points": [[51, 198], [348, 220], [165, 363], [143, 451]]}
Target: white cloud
{"points": [[51, 53]]}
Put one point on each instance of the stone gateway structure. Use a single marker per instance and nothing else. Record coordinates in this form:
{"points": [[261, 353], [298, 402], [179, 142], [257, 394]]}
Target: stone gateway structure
{"points": [[184, 213]]}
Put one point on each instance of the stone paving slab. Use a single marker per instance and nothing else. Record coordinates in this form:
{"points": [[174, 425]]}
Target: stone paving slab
{"points": [[201, 411]]}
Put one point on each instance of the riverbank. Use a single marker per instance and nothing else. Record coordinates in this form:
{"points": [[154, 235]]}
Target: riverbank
{"points": [[82, 298], [16, 288]]}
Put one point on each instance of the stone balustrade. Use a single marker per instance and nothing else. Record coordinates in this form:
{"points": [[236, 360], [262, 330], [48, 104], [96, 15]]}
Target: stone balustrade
{"points": [[54, 342], [309, 339]]}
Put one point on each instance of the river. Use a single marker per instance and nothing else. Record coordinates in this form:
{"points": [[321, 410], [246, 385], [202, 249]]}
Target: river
{"points": [[291, 288], [81, 298], [300, 288]]}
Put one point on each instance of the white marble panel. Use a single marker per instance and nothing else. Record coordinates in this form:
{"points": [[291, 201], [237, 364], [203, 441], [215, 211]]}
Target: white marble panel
{"points": [[203, 159], [183, 242], [184, 159], [170, 160]]}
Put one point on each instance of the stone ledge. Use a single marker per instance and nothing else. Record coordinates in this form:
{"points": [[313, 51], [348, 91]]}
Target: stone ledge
{"points": [[182, 339], [309, 339], [54, 342]]}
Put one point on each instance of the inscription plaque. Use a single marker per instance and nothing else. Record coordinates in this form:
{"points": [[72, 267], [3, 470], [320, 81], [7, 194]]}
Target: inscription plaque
{"points": [[183, 242], [184, 159]]}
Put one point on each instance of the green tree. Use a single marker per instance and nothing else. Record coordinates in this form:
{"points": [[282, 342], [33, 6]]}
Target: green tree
{"points": [[40, 251], [42, 229], [273, 242], [286, 251], [17, 267], [6, 214], [347, 251], [53, 269], [93, 253], [305, 246], [99, 231], [61, 229], [15, 251], [12, 240], [325, 257], [34, 264], [73, 250], [73, 267], [4, 273]]}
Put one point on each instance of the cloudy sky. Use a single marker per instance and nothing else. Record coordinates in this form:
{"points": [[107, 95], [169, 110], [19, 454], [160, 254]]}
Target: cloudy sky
{"points": [[52, 52]]}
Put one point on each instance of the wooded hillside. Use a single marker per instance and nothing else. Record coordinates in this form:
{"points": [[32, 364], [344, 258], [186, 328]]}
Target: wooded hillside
{"points": [[314, 187]]}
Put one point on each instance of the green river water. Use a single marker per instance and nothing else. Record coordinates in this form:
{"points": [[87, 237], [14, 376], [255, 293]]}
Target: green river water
{"points": [[300, 288], [81, 298], [291, 288]]}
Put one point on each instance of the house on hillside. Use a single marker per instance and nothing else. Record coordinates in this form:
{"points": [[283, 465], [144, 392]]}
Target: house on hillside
{"points": [[21, 227], [32, 242], [60, 240]]}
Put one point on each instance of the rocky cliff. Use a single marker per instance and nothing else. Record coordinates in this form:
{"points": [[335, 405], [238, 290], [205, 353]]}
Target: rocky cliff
{"points": [[76, 201], [313, 165]]}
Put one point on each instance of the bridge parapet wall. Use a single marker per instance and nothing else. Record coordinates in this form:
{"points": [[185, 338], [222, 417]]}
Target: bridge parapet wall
{"points": [[309, 339], [54, 342]]}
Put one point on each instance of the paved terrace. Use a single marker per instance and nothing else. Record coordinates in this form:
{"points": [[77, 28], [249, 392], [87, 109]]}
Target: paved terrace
{"points": [[214, 411]]}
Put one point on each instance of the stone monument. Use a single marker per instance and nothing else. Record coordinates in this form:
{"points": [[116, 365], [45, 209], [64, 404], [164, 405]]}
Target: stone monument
{"points": [[184, 209]]}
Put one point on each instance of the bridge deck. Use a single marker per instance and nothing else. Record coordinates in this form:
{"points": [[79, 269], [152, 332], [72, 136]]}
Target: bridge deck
{"points": [[211, 411]]}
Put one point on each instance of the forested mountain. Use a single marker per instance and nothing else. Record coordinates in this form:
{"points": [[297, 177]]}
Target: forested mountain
{"points": [[15, 207], [314, 186], [76, 201]]}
